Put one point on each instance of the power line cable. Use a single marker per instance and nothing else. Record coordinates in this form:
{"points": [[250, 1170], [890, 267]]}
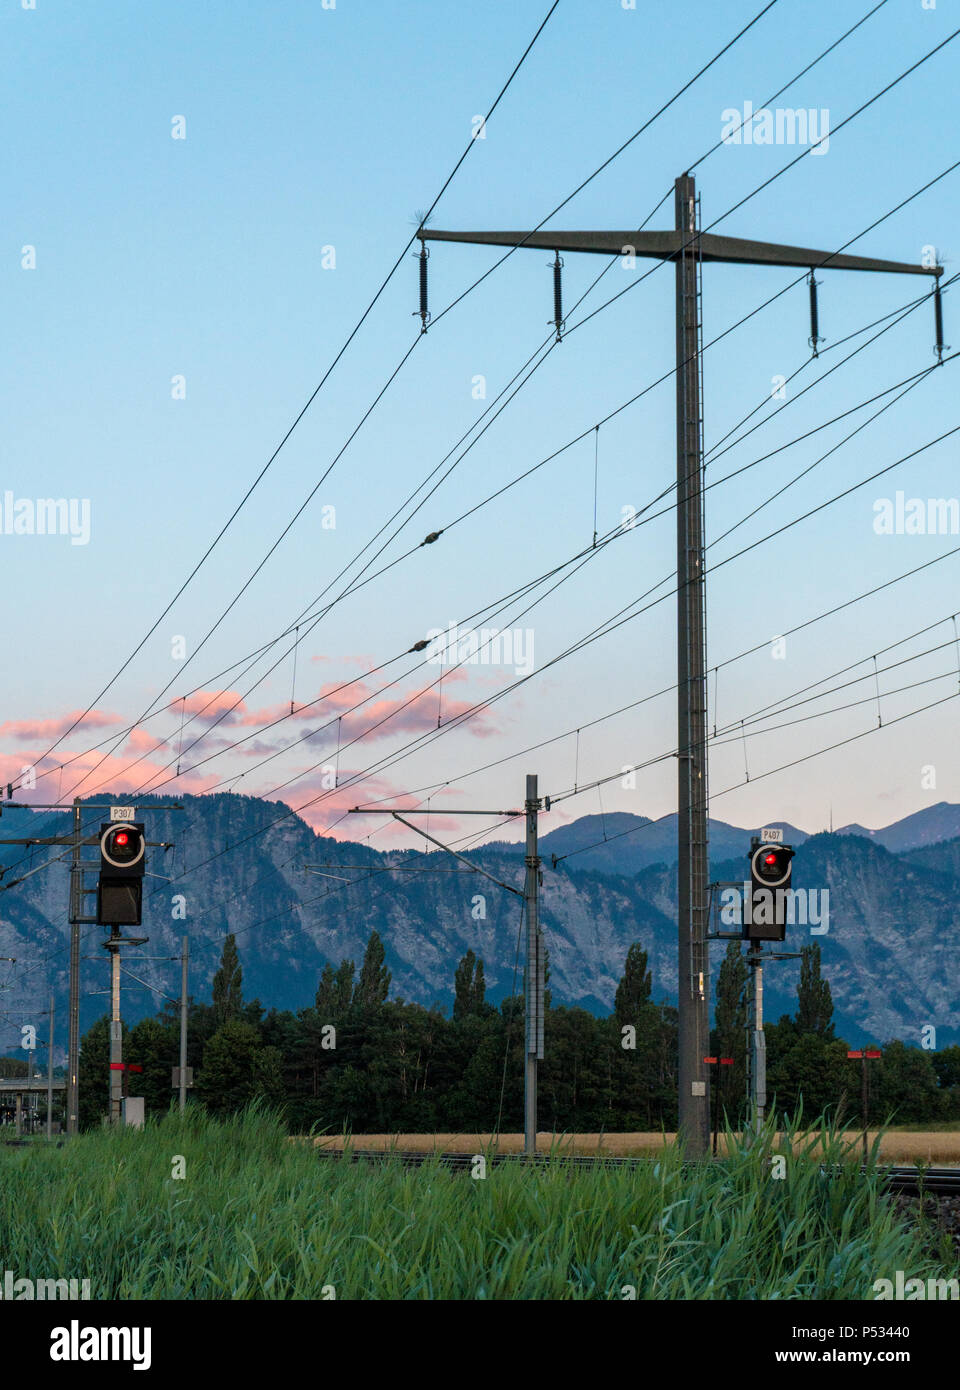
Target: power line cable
{"points": [[359, 324], [577, 439]]}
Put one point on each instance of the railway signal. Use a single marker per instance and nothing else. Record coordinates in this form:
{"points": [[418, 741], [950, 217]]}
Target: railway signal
{"points": [[765, 905], [119, 904], [120, 886]]}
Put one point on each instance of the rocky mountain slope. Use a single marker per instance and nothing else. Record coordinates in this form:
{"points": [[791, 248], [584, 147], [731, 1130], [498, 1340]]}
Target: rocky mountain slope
{"points": [[891, 950]]}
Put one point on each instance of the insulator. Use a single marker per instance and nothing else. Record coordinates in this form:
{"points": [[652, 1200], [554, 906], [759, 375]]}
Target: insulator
{"points": [[557, 319], [433, 536], [814, 340], [423, 311], [419, 646], [938, 319]]}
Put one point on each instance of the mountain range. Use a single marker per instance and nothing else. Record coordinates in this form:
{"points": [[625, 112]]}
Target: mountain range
{"points": [[239, 865]]}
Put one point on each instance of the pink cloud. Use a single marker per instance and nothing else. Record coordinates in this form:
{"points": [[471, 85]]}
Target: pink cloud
{"points": [[332, 697], [46, 729], [330, 804], [114, 774], [209, 704], [141, 742]]}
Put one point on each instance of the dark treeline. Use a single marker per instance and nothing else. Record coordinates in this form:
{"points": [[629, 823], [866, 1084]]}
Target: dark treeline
{"points": [[357, 1060]]}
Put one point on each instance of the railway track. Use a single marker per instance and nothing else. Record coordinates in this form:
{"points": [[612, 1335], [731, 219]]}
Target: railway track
{"points": [[934, 1182], [899, 1180]]}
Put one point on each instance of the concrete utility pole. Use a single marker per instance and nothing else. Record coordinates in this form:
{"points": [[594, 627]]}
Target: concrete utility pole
{"points": [[116, 1034], [113, 945], [534, 981], [73, 1004], [693, 985], [50, 1076], [688, 248], [756, 1042], [184, 962]]}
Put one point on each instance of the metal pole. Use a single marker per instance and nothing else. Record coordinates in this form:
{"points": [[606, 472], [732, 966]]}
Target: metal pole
{"points": [[184, 960], [116, 1039], [757, 1048], [534, 974], [865, 1094], [73, 1012], [716, 1104], [50, 1076], [692, 875]]}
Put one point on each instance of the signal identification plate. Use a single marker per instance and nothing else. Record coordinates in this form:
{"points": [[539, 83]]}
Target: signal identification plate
{"points": [[771, 837], [126, 813]]}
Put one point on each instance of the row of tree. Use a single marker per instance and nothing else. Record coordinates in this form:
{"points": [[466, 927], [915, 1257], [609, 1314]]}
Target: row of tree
{"points": [[359, 1060]]}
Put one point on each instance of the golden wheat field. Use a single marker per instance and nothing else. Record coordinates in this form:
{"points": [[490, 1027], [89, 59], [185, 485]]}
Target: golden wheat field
{"points": [[906, 1146]]}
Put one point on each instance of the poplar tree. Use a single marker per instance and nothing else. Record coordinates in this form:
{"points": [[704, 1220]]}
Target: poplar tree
{"points": [[227, 982], [814, 1000], [373, 985], [469, 988]]}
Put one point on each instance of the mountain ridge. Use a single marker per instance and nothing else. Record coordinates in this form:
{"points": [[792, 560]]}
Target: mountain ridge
{"points": [[893, 918]]}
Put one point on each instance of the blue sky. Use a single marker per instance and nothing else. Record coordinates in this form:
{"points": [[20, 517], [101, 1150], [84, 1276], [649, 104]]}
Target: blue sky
{"points": [[310, 128]]}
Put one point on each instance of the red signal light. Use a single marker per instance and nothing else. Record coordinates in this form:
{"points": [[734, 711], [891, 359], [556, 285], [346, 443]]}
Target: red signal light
{"points": [[121, 837], [769, 858]]}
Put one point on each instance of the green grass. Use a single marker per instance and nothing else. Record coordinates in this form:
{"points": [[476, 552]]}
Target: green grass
{"points": [[260, 1217]]}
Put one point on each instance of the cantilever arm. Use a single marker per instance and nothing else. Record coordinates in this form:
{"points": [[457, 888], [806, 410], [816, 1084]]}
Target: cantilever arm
{"points": [[666, 246], [440, 845]]}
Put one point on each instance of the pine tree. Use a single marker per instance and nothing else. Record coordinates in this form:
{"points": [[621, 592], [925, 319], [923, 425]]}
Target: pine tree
{"points": [[634, 1068], [153, 1045], [228, 1078], [815, 1003], [343, 987], [469, 988], [479, 988], [227, 994], [323, 1000], [95, 1072], [633, 991], [373, 985], [730, 1015]]}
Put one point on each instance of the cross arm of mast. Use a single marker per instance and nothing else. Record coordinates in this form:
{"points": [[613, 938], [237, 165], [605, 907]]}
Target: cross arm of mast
{"points": [[734, 249], [655, 245], [666, 246]]}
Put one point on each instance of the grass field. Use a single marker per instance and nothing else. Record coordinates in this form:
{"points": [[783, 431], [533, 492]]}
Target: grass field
{"points": [[940, 1148], [258, 1217]]}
